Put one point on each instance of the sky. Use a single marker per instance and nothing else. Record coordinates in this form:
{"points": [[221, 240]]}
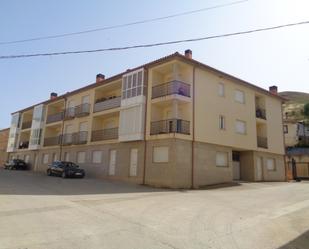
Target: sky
{"points": [[277, 57]]}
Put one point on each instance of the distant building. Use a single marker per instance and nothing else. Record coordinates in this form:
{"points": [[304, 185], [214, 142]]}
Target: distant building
{"points": [[174, 122], [4, 136], [296, 134]]}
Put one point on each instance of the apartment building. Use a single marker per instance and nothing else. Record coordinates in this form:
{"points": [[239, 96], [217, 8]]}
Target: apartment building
{"points": [[174, 122]]}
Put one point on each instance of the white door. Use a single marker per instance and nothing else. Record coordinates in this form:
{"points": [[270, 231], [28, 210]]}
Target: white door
{"points": [[258, 169], [236, 170], [133, 162], [112, 162]]}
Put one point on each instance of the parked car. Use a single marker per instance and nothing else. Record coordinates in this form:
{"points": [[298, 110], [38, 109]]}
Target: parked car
{"points": [[16, 164], [65, 169]]}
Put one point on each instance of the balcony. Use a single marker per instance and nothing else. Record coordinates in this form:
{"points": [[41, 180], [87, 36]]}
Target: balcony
{"points": [[54, 117], [69, 113], [52, 141], [82, 110], [26, 125], [106, 104], [105, 134], [262, 142], [80, 137], [260, 113], [169, 88], [170, 126], [23, 145]]}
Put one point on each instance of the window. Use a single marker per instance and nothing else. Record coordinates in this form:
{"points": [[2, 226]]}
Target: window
{"points": [[96, 156], [45, 158], [160, 154], [133, 162], [86, 99], [132, 85], [221, 90], [54, 157], [270, 164], [239, 96], [27, 158], [67, 156], [240, 127], [81, 157], [222, 159], [221, 122], [285, 129]]}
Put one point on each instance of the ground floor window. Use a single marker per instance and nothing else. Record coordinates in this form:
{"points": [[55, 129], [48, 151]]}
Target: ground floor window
{"points": [[81, 157], [67, 156], [270, 164], [45, 158], [97, 156], [160, 154], [222, 159], [27, 158]]}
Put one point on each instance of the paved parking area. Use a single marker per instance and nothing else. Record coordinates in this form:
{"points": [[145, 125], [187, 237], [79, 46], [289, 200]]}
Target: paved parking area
{"points": [[40, 212]]}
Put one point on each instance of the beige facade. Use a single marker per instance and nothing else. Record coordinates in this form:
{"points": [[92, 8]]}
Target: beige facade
{"points": [[173, 123], [4, 136]]}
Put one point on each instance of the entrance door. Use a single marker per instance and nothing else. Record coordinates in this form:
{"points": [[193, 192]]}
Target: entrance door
{"points": [[258, 169], [112, 162], [133, 162], [236, 165]]}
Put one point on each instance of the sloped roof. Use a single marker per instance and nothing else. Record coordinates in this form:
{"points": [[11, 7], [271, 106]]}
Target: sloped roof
{"points": [[164, 59]]}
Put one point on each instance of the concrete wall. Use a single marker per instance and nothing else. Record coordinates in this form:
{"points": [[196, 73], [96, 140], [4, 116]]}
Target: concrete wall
{"points": [[271, 175], [176, 173], [205, 170]]}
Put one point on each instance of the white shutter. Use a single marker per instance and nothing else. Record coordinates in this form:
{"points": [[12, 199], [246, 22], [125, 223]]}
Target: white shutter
{"points": [[239, 96], [222, 159], [81, 157], [67, 156], [27, 158], [240, 127], [160, 154], [133, 162], [45, 158], [270, 163], [220, 89], [97, 156], [85, 100], [83, 126], [112, 162]]}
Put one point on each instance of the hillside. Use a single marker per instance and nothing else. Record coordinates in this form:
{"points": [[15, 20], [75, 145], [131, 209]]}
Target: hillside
{"points": [[293, 108]]}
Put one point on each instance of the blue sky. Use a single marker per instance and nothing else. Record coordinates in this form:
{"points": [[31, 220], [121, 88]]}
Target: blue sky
{"points": [[279, 57]]}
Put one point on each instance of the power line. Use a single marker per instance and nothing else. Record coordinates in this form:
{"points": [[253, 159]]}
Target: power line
{"points": [[154, 44], [123, 25]]}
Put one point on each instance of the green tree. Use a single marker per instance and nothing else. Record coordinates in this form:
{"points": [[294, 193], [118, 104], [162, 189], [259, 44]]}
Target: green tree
{"points": [[306, 111]]}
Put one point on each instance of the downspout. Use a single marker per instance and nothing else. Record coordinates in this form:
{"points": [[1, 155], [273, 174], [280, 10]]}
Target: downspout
{"points": [[145, 125], [193, 128], [284, 147], [62, 129]]}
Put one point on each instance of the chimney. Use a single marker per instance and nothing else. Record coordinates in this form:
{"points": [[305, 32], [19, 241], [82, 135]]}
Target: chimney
{"points": [[100, 77], [188, 53], [53, 95], [273, 90]]}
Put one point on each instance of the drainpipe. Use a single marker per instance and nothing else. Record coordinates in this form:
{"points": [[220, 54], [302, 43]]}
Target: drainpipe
{"points": [[193, 127], [62, 129], [145, 125], [284, 147]]}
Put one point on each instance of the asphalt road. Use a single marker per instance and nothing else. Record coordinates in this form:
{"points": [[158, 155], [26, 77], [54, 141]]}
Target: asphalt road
{"points": [[40, 212]]}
